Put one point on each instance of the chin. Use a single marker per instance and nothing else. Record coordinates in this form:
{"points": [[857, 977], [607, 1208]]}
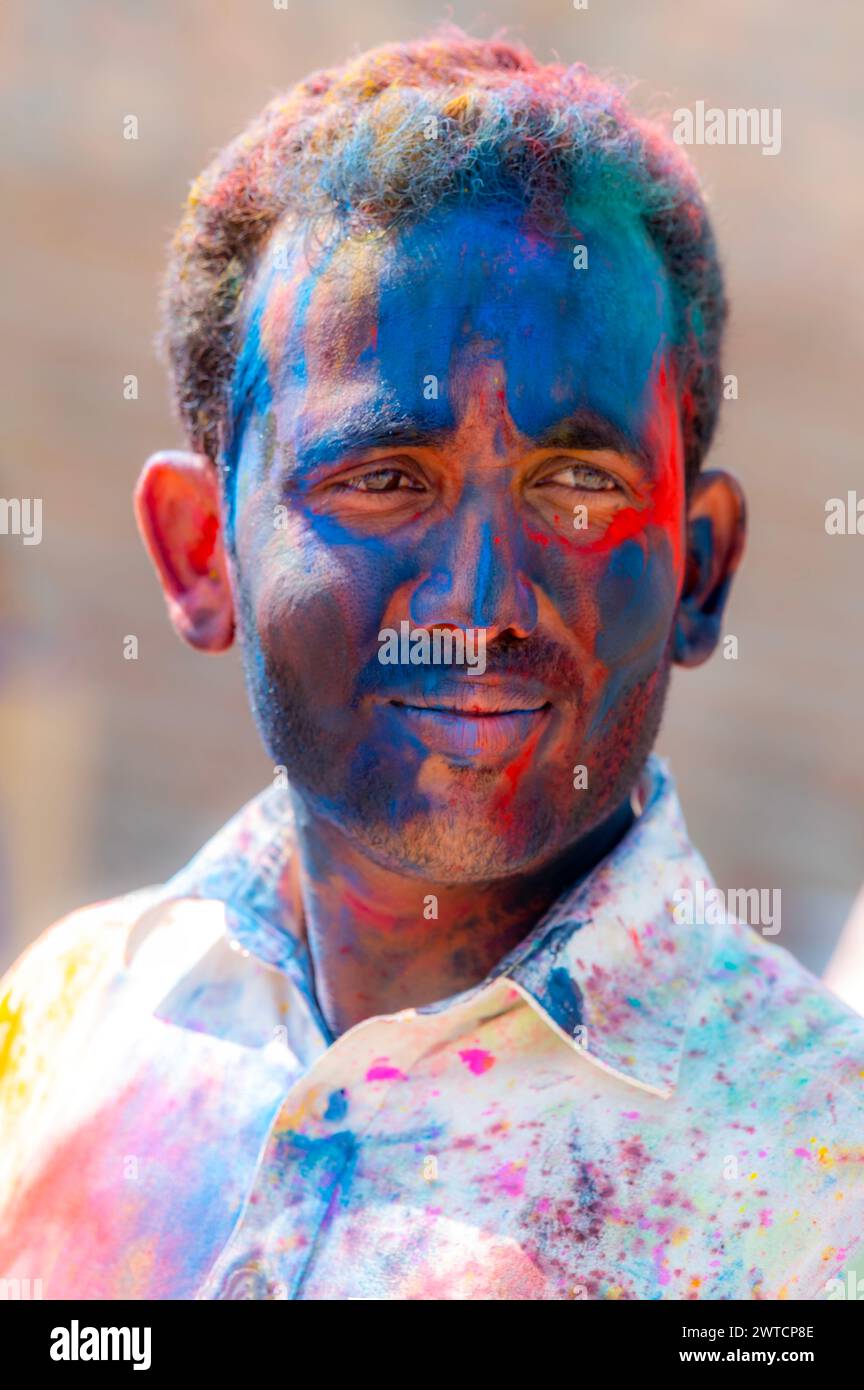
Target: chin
{"points": [[468, 839]]}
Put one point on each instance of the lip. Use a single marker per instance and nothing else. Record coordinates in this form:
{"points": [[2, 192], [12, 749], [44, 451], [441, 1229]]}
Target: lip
{"points": [[476, 697], [470, 733]]}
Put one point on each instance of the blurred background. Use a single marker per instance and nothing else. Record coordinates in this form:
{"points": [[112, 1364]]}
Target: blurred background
{"points": [[112, 772]]}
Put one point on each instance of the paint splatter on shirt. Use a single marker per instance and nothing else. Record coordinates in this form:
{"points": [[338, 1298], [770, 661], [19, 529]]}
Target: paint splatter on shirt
{"points": [[627, 1108]]}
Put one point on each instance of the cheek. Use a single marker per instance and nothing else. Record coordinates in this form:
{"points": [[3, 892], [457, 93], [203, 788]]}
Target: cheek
{"points": [[305, 627], [609, 596], [636, 604], [317, 607], [635, 609], [636, 567]]}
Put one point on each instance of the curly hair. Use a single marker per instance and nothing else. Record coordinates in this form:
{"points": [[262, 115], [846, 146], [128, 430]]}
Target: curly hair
{"points": [[388, 137]]}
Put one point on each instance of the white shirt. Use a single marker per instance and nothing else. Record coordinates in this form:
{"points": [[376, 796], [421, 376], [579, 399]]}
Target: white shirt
{"points": [[626, 1108]]}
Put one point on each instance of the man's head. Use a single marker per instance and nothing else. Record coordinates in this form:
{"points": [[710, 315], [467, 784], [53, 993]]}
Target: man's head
{"points": [[445, 328]]}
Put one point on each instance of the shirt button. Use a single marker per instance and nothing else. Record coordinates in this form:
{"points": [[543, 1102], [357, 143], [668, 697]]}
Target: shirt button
{"points": [[250, 1282]]}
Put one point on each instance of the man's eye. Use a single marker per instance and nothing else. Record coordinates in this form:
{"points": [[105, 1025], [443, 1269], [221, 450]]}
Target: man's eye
{"points": [[382, 480], [581, 476]]}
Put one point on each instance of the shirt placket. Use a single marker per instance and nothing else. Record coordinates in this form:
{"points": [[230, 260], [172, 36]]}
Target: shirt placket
{"points": [[308, 1162]]}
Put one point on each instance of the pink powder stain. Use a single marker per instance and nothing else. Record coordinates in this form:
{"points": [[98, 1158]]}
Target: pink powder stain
{"points": [[476, 1060], [659, 1258], [765, 1218], [630, 1114], [802, 1153], [543, 1204], [511, 1179], [637, 943], [382, 1073]]}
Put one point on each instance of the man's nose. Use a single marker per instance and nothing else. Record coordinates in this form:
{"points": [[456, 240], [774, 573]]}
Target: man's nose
{"points": [[476, 581]]}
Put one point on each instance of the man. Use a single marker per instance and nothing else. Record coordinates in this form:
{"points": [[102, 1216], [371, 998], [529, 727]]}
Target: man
{"points": [[424, 1020]]}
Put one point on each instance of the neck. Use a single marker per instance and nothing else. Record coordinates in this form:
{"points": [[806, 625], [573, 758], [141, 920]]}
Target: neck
{"points": [[381, 941]]}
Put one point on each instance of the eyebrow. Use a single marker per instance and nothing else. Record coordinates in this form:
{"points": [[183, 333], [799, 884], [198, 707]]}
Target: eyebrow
{"points": [[587, 430], [365, 430], [358, 435]]}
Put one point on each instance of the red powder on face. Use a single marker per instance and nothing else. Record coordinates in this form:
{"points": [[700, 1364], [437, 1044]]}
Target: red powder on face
{"points": [[665, 510], [514, 773]]}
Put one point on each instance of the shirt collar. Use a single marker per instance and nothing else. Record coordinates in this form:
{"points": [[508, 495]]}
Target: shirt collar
{"points": [[607, 967]]}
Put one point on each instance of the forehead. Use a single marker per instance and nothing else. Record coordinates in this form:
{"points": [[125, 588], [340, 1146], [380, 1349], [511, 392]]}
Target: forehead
{"points": [[396, 324]]}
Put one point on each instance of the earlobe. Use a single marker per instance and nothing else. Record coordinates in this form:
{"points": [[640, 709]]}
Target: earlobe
{"points": [[178, 510], [716, 527]]}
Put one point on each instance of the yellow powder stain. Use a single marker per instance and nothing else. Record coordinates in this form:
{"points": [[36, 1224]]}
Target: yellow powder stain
{"points": [[291, 1119], [39, 1012], [695, 1283], [753, 1175], [829, 1253], [680, 1235], [10, 1027]]}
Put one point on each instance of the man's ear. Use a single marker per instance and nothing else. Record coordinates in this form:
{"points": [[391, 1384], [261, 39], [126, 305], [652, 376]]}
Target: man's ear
{"points": [[716, 525], [178, 512]]}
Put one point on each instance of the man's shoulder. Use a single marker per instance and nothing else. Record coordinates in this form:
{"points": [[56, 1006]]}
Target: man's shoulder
{"points": [[75, 946], [773, 1007], [50, 998], [81, 953], [52, 984], [68, 959]]}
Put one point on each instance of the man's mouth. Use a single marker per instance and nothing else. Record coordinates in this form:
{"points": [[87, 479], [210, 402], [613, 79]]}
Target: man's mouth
{"points": [[473, 722]]}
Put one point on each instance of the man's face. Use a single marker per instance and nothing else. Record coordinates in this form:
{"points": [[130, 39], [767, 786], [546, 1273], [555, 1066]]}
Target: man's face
{"points": [[457, 427]]}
